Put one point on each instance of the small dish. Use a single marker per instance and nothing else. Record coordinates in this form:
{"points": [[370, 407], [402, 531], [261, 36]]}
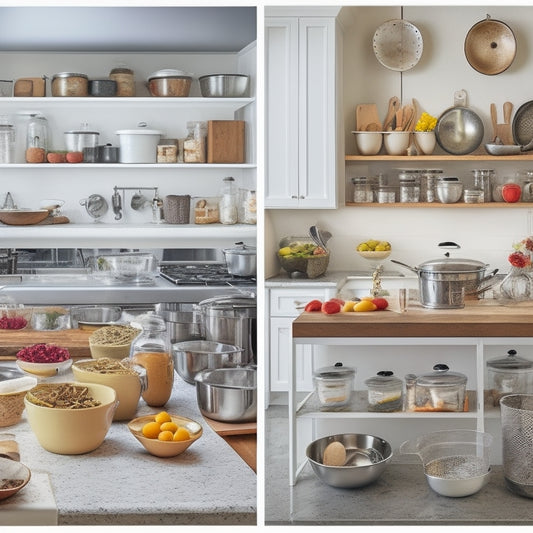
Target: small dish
{"points": [[13, 470], [375, 255], [44, 369], [161, 448]]}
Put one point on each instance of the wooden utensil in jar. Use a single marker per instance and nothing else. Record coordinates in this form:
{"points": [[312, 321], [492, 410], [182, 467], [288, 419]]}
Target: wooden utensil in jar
{"points": [[394, 105]]}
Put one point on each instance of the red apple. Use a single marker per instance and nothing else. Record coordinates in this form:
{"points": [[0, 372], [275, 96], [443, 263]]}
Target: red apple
{"points": [[511, 192]]}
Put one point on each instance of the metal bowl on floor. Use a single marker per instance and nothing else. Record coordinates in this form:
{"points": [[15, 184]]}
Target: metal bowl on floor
{"points": [[228, 394], [367, 457]]}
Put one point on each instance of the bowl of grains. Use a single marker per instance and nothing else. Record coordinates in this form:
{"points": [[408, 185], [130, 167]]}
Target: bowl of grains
{"points": [[113, 342], [70, 418], [13, 477], [126, 378]]}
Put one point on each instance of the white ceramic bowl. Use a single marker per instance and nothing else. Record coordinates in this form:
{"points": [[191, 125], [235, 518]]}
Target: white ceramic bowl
{"points": [[396, 142], [368, 142], [73, 431], [44, 369]]}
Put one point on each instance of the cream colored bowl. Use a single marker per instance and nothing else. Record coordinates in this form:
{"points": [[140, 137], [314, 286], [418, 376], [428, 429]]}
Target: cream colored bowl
{"points": [[162, 448], [73, 431], [120, 351], [127, 387]]}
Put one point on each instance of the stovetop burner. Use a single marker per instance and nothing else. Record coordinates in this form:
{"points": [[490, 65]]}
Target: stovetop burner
{"points": [[211, 274]]}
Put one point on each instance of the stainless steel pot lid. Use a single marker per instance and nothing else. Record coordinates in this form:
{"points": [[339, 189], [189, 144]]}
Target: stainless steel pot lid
{"points": [[523, 124], [490, 46], [452, 265], [398, 44], [241, 249], [441, 376], [510, 362], [459, 130]]}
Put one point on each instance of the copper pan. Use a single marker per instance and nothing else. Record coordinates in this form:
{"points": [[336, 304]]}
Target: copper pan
{"points": [[490, 46]]}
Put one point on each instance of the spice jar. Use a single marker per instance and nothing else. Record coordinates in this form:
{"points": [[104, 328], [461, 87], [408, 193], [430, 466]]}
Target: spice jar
{"points": [[151, 350], [441, 390], [125, 81], [37, 139], [362, 190], [384, 392], [509, 375], [194, 146], [228, 202], [70, 84], [334, 385]]}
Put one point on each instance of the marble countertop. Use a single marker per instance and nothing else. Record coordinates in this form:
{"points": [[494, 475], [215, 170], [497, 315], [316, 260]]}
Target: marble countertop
{"points": [[329, 279], [120, 483]]}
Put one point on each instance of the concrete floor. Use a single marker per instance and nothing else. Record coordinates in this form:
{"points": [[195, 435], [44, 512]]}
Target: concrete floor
{"points": [[401, 496]]}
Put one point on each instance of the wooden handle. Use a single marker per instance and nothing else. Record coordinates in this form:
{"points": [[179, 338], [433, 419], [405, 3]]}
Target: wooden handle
{"points": [[494, 118], [507, 110]]}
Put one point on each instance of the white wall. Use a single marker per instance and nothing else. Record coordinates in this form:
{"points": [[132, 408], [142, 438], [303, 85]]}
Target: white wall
{"points": [[484, 234]]}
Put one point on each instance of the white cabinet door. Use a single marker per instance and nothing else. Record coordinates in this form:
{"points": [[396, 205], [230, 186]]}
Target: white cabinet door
{"points": [[280, 354], [300, 95]]}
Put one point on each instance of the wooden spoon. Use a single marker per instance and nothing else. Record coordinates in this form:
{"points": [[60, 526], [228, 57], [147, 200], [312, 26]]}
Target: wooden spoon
{"points": [[399, 119], [494, 121], [334, 454], [394, 105]]}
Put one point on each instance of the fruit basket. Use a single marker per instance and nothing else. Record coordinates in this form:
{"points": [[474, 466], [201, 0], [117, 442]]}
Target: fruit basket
{"points": [[301, 257]]}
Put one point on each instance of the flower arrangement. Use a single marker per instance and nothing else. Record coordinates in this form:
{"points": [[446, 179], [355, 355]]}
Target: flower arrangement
{"points": [[521, 257], [426, 122]]}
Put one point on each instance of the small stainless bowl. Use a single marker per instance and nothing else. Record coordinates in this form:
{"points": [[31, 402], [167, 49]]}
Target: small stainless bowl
{"points": [[449, 192], [94, 316], [191, 357], [366, 458], [224, 85], [228, 394]]}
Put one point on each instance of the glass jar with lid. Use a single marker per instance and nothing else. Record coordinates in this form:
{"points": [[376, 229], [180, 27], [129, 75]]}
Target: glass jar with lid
{"points": [[385, 392], [194, 146], [441, 390], [362, 190], [334, 385], [509, 375], [7, 141], [37, 139], [428, 181], [483, 181], [151, 350], [409, 186], [228, 202]]}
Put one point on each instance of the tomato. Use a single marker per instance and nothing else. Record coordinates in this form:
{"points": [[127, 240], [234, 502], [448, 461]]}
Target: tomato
{"points": [[313, 305], [511, 192], [338, 300], [380, 303], [331, 307]]}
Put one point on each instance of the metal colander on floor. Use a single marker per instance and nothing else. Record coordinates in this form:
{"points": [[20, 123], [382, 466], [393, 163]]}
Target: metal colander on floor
{"points": [[517, 431]]}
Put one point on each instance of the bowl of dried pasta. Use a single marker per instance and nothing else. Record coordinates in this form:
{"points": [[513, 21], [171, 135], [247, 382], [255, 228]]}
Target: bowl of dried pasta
{"points": [[122, 375], [112, 341], [70, 418]]}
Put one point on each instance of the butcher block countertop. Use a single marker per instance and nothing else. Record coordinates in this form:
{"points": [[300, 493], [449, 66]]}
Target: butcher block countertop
{"points": [[479, 318]]}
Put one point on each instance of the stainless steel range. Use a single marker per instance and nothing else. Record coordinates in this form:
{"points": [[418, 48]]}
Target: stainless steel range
{"points": [[211, 275]]}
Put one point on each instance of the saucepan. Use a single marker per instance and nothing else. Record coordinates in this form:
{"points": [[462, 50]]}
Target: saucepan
{"points": [[444, 282]]}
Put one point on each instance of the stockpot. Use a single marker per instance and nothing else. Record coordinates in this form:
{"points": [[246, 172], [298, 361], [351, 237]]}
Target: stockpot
{"points": [[232, 320], [241, 260], [443, 283]]}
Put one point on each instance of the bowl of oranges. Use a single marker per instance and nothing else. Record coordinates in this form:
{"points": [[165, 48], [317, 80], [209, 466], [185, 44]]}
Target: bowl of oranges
{"points": [[165, 435]]}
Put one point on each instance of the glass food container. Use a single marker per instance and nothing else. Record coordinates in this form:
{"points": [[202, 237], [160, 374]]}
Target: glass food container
{"points": [[384, 392], [152, 350], [441, 390], [509, 375], [334, 385]]}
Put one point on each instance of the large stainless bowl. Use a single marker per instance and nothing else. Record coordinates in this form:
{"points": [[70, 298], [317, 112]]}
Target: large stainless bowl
{"points": [[191, 357], [228, 394], [224, 85], [366, 458]]}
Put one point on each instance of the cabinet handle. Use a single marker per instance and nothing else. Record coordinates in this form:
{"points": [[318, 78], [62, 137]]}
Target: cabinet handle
{"points": [[294, 197], [302, 197]]}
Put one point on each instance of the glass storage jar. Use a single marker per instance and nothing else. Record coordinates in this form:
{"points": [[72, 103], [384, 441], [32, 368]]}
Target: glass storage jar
{"points": [[151, 350], [384, 392], [362, 190], [509, 375], [409, 186], [334, 385], [194, 146], [125, 81], [428, 180], [7, 142], [483, 180], [228, 202], [441, 390], [37, 139]]}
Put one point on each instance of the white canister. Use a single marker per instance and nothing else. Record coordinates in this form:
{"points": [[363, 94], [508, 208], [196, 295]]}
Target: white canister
{"points": [[138, 145]]}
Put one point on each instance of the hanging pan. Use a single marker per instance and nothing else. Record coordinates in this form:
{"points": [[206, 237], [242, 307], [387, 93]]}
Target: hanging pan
{"points": [[398, 44], [523, 123], [459, 130], [490, 46]]}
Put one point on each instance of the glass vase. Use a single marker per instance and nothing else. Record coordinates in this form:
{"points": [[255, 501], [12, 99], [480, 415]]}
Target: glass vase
{"points": [[518, 284]]}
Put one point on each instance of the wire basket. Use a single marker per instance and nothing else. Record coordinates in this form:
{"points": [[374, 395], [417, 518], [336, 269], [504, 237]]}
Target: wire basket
{"points": [[8, 261], [177, 208], [11, 407]]}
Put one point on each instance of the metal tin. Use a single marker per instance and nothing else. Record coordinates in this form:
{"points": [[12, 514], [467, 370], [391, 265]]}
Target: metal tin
{"points": [[103, 87], [70, 84]]}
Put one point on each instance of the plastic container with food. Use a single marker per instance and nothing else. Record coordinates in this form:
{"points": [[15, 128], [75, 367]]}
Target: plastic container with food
{"points": [[206, 210], [385, 392], [50, 318], [334, 385]]}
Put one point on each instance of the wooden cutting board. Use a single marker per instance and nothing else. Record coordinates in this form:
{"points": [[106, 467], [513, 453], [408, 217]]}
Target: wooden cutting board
{"points": [[502, 131], [225, 141], [367, 118], [224, 428]]}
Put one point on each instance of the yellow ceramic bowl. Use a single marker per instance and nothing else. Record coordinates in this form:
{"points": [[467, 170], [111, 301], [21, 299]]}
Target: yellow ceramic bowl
{"points": [[127, 387], [165, 448], [73, 431], [119, 351]]}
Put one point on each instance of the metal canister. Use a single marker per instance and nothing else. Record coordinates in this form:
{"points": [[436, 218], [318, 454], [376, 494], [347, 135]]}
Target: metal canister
{"points": [[70, 84]]}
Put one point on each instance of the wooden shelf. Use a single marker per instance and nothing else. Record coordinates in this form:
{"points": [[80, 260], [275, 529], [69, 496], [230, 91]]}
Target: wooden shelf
{"points": [[438, 205], [443, 157]]}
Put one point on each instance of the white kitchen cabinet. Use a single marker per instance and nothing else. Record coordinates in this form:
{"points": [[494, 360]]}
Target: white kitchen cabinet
{"points": [[301, 112], [29, 184], [285, 304]]}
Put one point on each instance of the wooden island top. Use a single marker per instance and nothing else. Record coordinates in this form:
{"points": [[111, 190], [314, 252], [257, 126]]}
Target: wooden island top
{"points": [[479, 318]]}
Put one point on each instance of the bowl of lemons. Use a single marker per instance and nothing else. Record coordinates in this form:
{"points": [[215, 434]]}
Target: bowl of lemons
{"points": [[374, 249]]}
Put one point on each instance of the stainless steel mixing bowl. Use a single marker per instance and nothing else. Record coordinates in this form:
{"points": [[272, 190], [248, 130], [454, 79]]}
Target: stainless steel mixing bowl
{"points": [[366, 458], [224, 85], [228, 394]]}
